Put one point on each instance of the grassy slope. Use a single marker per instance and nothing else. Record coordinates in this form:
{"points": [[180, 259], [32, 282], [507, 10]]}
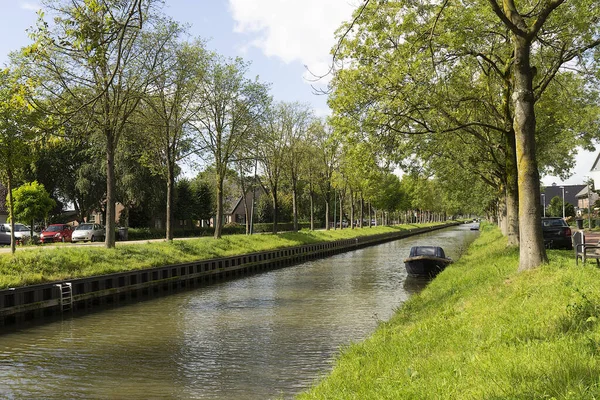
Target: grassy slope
{"points": [[34, 266], [481, 330]]}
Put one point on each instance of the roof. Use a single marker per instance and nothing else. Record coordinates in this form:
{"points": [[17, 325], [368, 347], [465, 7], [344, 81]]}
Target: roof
{"points": [[596, 164], [571, 193]]}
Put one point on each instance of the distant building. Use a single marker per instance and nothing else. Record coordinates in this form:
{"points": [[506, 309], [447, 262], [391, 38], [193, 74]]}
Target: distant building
{"points": [[571, 194], [583, 200], [595, 172]]}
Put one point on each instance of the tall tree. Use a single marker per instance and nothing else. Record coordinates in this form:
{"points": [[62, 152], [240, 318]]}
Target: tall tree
{"points": [[19, 126], [300, 116], [230, 107], [561, 41], [410, 53], [90, 61], [170, 107]]}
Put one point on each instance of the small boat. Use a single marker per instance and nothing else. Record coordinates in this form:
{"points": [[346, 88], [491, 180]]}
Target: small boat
{"points": [[475, 226], [426, 261]]}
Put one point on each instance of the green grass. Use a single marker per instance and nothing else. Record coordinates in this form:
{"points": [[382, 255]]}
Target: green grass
{"points": [[482, 330], [32, 266]]}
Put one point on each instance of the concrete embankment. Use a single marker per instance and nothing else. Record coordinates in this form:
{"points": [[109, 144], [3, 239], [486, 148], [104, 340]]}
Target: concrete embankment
{"points": [[35, 301]]}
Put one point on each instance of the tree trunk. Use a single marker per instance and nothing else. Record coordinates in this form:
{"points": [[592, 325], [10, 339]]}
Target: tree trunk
{"points": [[110, 190], [275, 209], [327, 214], [11, 210], [352, 210], [341, 211], [532, 250], [219, 217], [312, 210], [170, 197], [512, 191], [295, 204], [362, 211]]}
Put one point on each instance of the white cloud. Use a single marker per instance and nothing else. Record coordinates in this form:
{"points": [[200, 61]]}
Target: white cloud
{"points": [[293, 30], [26, 5]]}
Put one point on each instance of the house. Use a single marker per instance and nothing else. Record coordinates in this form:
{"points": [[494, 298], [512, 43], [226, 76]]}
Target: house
{"points": [[3, 209], [585, 198], [570, 194], [595, 172], [97, 217], [238, 212]]}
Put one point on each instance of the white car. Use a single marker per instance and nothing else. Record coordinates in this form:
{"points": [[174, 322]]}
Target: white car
{"points": [[88, 232], [22, 232]]}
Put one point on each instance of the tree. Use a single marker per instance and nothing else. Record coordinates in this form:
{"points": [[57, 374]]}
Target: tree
{"points": [[31, 202], [432, 51], [18, 128], [272, 152], [295, 136], [555, 209], [170, 106], [91, 62], [325, 149], [229, 110]]}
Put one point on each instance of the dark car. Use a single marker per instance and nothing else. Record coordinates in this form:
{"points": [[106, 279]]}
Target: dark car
{"points": [[56, 233], [557, 233]]}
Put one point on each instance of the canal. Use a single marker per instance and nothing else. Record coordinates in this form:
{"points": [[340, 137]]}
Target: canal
{"points": [[266, 336]]}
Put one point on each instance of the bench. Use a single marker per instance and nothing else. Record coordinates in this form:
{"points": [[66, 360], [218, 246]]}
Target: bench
{"points": [[584, 250]]}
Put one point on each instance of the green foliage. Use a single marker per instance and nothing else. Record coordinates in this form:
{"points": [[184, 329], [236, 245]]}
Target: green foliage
{"points": [[31, 202], [555, 208]]}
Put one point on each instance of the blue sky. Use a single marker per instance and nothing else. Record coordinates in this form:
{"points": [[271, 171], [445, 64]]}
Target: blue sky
{"points": [[279, 37]]}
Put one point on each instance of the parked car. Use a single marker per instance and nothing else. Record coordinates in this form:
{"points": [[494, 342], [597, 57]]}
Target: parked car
{"points": [[4, 235], [557, 233], [22, 233], [56, 233], [88, 232]]}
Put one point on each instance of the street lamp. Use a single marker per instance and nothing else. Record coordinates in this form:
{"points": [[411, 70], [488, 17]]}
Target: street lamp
{"points": [[563, 200], [544, 201]]}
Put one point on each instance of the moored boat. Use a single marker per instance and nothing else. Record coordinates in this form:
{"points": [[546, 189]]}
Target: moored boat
{"points": [[426, 261]]}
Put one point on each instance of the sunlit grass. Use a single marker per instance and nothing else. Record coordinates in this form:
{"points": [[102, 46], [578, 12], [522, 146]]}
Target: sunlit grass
{"points": [[482, 330], [39, 265]]}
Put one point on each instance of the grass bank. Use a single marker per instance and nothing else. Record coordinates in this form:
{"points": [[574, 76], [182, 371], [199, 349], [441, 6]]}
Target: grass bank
{"points": [[33, 266], [482, 330]]}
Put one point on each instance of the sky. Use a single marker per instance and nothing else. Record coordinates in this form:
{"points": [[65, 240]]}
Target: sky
{"points": [[288, 42]]}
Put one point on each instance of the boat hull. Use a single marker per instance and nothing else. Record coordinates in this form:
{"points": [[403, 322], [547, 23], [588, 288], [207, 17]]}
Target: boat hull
{"points": [[425, 266]]}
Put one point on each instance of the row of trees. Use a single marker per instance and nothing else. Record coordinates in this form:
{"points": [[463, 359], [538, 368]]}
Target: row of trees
{"points": [[113, 100], [496, 91]]}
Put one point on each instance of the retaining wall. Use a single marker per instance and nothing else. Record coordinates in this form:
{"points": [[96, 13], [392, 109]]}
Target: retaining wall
{"points": [[30, 302]]}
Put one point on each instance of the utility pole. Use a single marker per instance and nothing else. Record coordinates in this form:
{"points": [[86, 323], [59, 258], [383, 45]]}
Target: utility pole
{"points": [[544, 201], [589, 204], [563, 200]]}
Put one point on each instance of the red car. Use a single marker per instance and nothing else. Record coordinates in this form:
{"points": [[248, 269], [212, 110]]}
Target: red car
{"points": [[56, 233]]}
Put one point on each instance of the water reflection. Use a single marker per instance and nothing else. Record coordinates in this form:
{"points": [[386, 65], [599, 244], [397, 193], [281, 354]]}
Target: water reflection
{"points": [[265, 336]]}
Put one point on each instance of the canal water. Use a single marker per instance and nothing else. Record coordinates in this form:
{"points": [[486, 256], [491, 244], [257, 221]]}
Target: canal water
{"points": [[266, 336]]}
